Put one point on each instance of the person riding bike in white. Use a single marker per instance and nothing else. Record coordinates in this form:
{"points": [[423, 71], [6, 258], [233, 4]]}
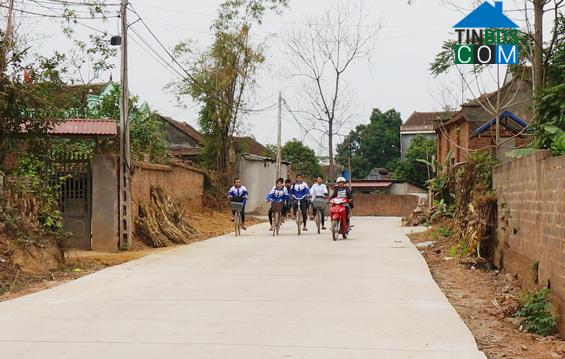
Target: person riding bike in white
{"points": [[342, 191], [300, 190], [277, 194], [320, 191], [238, 193]]}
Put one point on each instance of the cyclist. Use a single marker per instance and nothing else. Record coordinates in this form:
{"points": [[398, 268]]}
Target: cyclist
{"points": [[300, 190], [238, 193], [342, 191], [277, 194], [320, 191]]}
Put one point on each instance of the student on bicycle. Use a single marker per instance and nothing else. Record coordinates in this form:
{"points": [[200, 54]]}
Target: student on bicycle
{"points": [[277, 194], [320, 191], [300, 190], [238, 193]]}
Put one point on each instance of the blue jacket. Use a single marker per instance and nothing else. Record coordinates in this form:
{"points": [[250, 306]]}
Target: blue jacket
{"points": [[300, 190], [240, 192], [277, 195]]}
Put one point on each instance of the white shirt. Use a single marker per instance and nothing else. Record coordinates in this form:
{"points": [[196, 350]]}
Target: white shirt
{"points": [[318, 190]]}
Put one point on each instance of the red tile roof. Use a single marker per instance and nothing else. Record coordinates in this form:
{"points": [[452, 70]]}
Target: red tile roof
{"points": [[184, 128], [85, 127]]}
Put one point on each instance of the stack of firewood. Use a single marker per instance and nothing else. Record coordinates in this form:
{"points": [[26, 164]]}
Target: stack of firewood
{"points": [[161, 222]]}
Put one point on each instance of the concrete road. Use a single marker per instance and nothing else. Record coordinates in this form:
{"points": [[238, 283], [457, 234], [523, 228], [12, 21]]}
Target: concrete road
{"points": [[370, 297]]}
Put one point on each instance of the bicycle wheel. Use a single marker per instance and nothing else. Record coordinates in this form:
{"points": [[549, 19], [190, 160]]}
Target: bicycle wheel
{"points": [[277, 220], [299, 221], [236, 225]]}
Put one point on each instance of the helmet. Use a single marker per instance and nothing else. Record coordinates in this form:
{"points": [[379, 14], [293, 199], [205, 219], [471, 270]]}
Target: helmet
{"points": [[340, 179]]}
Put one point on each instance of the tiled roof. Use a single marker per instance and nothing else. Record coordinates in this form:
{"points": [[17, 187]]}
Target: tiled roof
{"points": [[423, 121], [248, 145], [85, 127], [185, 128]]}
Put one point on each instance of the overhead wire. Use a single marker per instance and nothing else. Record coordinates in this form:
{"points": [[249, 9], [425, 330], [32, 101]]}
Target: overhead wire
{"points": [[190, 77], [58, 16]]}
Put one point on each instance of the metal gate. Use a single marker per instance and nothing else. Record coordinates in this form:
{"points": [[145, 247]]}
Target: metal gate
{"points": [[71, 175]]}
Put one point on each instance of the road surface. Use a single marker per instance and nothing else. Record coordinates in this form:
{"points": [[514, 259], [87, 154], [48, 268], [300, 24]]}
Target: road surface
{"points": [[308, 297]]}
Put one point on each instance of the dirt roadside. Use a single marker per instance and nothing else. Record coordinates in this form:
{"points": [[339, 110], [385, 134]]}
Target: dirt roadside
{"points": [[485, 299], [33, 277]]}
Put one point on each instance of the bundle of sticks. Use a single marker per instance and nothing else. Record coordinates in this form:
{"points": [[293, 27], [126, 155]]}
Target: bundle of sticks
{"points": [[161, 222]]}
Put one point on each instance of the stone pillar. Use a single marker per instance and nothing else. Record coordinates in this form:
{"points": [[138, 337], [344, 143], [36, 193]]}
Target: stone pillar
{"points": [[104, 203]]}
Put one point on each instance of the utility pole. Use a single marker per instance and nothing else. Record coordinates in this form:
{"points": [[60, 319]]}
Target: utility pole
{"points": [[279, 128], [125, 174], [497, 139], [349, 163], [7, 40]]}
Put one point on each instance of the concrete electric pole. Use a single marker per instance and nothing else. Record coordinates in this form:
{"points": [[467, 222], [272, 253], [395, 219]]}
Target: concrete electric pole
{"points": [[279, 128], [125, 163]]}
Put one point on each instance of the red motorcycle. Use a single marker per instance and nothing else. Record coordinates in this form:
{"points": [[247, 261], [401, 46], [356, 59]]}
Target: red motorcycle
{"points": [[338, 214]]}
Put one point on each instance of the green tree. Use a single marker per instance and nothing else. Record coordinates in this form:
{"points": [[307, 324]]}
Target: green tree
{"points": [[376, 144], [147, 132], [223, 76], [302, 158], [412, 168]]}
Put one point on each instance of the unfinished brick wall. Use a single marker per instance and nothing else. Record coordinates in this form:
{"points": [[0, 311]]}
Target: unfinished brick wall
{"points": [[531, 222], [384, 204], [183, 183]]}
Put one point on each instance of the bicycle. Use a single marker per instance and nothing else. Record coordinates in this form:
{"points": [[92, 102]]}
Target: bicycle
{"points": [[237, 207], [319, 205], [298, 213], [277, 216]]}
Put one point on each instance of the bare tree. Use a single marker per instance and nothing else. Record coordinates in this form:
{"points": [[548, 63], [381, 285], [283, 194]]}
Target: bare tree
{"points": [[321, 52]]}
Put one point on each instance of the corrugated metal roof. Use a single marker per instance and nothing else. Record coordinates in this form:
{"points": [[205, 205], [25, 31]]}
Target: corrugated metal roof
{"points": [[85, 127]]}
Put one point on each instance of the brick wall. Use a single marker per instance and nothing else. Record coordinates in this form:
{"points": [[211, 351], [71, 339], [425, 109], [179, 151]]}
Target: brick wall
{"points": [[531, 222], [183, 183], [382, 204]]}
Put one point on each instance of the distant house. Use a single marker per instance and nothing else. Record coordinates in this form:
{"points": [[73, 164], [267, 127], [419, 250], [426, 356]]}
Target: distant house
{"points": [[389, 186], [249, 145], [183, 141], [378, 174], [473, 128], [419, 124]]}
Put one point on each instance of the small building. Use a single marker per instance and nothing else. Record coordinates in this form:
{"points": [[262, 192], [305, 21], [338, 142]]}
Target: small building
{"points": [[473, 128], [378, 174], [389, 186], [258, 174], [419, 124], [183, 141]]}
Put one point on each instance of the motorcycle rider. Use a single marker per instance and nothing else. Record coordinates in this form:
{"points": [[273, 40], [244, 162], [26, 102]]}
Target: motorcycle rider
{"points": [[342, 191], [319, 190], [300, 190]]}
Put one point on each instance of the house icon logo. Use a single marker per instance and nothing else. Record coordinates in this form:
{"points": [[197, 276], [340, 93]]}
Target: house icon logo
{"points": [[486, 36]]}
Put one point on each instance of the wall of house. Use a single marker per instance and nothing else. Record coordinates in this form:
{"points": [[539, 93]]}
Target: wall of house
{"points": [[531, 222], [406, 141], [259, 178], [184, 184], [176, 138], [384, 204]]}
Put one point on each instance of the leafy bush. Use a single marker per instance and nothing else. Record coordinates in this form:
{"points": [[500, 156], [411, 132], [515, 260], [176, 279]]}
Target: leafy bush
{"points": [[536, 311]]}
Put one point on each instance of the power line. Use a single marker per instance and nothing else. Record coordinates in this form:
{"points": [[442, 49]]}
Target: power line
{"points": [[320, 144], [58, 16], [189, 76]]}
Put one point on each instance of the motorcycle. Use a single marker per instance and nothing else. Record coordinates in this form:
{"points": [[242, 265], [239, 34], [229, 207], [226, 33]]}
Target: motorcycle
{"points": [[338, 214]]}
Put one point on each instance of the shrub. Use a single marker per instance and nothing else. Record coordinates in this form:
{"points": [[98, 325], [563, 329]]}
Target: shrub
{"points": [[536, 311]]}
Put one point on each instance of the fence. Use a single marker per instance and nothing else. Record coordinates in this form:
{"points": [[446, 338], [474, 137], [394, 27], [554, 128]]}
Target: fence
{"points": [[389, 205]]}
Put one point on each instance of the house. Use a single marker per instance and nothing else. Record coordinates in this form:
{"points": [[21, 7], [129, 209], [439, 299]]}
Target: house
{"points": [[388, 186], [378, 174], [473, 128], [249, 145], [419, 124], [487, 15], [183, 141], [258, 174]]}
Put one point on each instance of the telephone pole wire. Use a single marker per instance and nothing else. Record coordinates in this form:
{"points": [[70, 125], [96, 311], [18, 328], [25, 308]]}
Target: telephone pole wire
{"points": [[125, 239]]}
